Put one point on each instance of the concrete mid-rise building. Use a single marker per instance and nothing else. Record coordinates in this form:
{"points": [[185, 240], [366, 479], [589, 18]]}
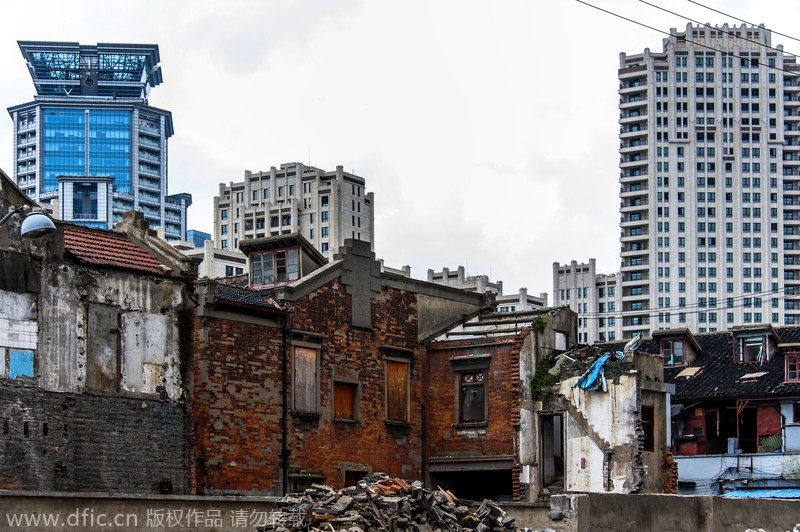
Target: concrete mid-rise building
{"points": [[483, 285], [90, 140], [326, 207], [595, 297], [709, 182]]}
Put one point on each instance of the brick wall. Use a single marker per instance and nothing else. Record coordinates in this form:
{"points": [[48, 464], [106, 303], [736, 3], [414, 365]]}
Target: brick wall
{"points": [[238, 395], [330, 448], [446, 439], [443, 434], [237, 406], [77, 442]]}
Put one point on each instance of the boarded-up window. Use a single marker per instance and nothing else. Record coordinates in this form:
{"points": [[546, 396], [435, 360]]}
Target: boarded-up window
{"points": [[102, 349], [305, 380], [344, 400], [472, 393], [396, 391]]}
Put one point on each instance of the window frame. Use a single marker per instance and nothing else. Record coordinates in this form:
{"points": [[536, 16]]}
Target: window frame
{"points": [[672, 343], [389, 391], [464, 387], [355, 385], [281, 267], [463, 365], [739, 345], [400, 356], [796, 358], [309, 349]]}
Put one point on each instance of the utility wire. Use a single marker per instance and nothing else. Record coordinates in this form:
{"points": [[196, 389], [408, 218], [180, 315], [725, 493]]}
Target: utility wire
{"points": [[741, 20], [727, 32], [698, 44]]}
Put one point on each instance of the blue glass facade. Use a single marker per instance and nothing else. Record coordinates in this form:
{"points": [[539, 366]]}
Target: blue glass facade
{"points": [[64, 146], [108, 145]]}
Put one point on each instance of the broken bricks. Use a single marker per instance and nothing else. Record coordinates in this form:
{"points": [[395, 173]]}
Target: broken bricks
{"points": [[380, 502]]}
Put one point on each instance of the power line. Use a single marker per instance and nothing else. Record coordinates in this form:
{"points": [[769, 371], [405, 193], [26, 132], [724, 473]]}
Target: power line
{"points": [[742, 20], [698, 44], [730, 33]]}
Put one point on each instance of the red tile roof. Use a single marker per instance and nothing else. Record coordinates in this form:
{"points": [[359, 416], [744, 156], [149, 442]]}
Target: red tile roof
{"points": [[114, 250]]}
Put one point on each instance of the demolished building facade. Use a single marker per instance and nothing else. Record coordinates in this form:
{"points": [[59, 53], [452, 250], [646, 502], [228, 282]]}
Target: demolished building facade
{"points": [[508, 407], [91, 394]]}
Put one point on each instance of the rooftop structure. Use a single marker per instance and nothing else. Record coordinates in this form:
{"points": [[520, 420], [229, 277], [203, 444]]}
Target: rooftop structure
{"points": [[91, 141]]}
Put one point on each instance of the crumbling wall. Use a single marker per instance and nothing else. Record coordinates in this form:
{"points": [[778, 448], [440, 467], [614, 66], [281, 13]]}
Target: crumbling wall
{"points": [[454, 448], [109, 332], [78, 442], [527, 436], [600, 433], [18, 333]]}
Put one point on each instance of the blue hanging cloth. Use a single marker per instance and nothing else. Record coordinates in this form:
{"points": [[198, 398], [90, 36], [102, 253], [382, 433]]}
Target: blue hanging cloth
{"points": [[593, 378]]}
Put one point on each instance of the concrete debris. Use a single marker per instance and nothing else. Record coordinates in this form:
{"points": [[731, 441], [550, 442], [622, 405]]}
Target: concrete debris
{"points": [[382, 503]]}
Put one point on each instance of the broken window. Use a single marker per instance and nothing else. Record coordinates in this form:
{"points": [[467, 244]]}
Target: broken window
{"points": [[751, 349], [275, 267], [793, 367], [471, 373], [344, 400], [648, 427], [305, 380], [472, 396], [673, 352], [397, 395]]}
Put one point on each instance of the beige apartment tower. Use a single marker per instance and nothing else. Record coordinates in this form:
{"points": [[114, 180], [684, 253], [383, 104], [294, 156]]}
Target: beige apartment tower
{"points": [[325, 207]]}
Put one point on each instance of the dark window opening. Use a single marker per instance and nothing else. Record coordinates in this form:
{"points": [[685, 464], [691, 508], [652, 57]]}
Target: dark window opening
{"points": [[648, 428], [472, 396]]}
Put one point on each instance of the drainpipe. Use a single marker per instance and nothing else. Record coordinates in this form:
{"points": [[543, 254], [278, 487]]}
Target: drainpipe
{"points": [[424, 445], [285, 414]]}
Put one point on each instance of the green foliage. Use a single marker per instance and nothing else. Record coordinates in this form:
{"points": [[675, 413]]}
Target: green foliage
{"points": [[539, 323], [543, 380], [185, 342]]}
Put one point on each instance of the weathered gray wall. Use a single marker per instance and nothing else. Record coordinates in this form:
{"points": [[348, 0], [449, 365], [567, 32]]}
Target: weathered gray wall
{"points": [[582, 513], [81, 442], [133, 513], [669, 513]]}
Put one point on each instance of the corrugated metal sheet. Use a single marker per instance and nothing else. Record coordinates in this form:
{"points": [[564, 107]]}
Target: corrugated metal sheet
{"points": [[783, 493]]}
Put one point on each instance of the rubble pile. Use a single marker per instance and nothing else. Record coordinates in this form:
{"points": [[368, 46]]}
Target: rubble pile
{"points": [[380, 502]]}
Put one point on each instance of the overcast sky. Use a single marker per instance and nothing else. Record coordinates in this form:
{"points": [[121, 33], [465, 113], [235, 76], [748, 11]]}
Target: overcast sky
{"points": [[487, 130]]}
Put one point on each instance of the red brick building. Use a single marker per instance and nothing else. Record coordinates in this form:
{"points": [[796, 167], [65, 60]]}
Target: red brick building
{"points": [[317, 376], [477, 392]]}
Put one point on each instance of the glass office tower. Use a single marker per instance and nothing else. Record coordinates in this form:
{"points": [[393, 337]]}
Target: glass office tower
{"points": [[91, 141]]}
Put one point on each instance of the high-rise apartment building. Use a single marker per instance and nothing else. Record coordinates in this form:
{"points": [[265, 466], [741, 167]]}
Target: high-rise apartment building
{"points": [[325, 207], [710, 182], [595, 297], [90, 140]]}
